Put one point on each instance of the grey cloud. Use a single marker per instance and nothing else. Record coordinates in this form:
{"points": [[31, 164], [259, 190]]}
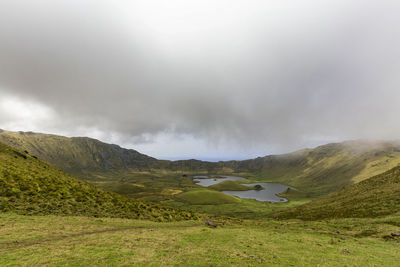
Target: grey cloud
{"points": [[267, 73]]}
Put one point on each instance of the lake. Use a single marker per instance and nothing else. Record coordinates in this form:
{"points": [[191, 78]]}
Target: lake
{"points": [[269, 193]]}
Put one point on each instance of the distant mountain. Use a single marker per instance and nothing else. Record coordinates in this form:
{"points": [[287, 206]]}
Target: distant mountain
{"points": [[77, 153], [31, 186], [82, 155], [326, 168], [317, 171], [376, 196]]}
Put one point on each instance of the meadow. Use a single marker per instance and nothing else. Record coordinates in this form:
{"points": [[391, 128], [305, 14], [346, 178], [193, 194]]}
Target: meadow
{"points": [[82, 241]]}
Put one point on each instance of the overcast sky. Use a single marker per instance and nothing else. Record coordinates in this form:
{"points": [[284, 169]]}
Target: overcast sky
{"points": [[222, 79]]}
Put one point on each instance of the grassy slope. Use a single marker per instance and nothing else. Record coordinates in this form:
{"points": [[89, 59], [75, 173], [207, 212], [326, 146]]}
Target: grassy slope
{"points": [[206, 197], [78, 155], [376, 196], [327, 168], [318, 171], [81, 241], [30, 186]]}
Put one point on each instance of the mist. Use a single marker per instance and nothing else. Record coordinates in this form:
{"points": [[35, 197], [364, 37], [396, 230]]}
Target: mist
{"points": [[205, 79]]}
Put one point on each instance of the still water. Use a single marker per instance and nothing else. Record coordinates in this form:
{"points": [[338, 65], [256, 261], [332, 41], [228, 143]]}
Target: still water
{"points": [[269, 193]]}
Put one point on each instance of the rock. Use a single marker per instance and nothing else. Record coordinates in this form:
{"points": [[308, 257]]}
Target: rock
{"points": [[20, 154], [388, 237], [210, 224], [258, 187], [395, 234], [346, 251]]}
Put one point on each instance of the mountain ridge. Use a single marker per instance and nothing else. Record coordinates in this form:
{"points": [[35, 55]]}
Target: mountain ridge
{"points": [[31, 186], [318, 171]]}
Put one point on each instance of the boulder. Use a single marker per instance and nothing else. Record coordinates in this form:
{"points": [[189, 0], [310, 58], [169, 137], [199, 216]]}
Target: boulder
{"points": [[258, 187]]}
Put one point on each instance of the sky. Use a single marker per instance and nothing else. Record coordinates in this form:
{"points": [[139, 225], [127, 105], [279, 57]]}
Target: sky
{"points": [[222, 79]]}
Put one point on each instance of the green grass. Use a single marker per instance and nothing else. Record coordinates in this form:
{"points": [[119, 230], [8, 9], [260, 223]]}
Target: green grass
{"points": [[206, 197], [376, 196], [82, 241], [30, 186], [230, 186], [332, 236], [242, 209]]}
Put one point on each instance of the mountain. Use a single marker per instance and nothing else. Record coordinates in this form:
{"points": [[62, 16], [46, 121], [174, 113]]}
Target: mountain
{"points": [[318, 171], [77, 153], [376, 196], [327, 168], [82, 156], [31, 186]]}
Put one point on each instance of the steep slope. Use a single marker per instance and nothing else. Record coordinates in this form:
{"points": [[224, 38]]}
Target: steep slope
{"points": [[317, 171], [376, 196], [30, 186], [82, 156], [77, 153], [327, 168]]}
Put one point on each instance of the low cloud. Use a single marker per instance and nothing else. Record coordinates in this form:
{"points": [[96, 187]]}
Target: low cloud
{"points": [[262, 75]]}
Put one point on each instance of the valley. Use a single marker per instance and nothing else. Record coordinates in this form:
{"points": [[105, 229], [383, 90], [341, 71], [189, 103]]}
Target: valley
{"points": [[225, 133], [131, 209]]}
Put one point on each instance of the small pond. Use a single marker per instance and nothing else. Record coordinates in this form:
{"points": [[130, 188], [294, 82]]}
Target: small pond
{"points": [[269, 193]]}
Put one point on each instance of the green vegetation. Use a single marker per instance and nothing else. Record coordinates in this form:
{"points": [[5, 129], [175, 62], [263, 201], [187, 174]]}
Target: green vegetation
{"points": [[206, 197], [351, 227], [30, 186], [327, 168], [82, 241], [241, 209], [376, 196], [293, 194], [230, 186], [317, 171], [77, 155]]}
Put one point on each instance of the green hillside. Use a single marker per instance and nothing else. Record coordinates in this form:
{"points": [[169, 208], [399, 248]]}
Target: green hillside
{"points": [[206, 197], [30, 186], [376, 196], [77, 154], [316, 171], [91, 159], [327, 168]]}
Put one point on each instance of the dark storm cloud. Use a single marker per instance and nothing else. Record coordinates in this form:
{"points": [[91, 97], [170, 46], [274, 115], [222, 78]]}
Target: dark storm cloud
{"points": [[249, 72]]}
